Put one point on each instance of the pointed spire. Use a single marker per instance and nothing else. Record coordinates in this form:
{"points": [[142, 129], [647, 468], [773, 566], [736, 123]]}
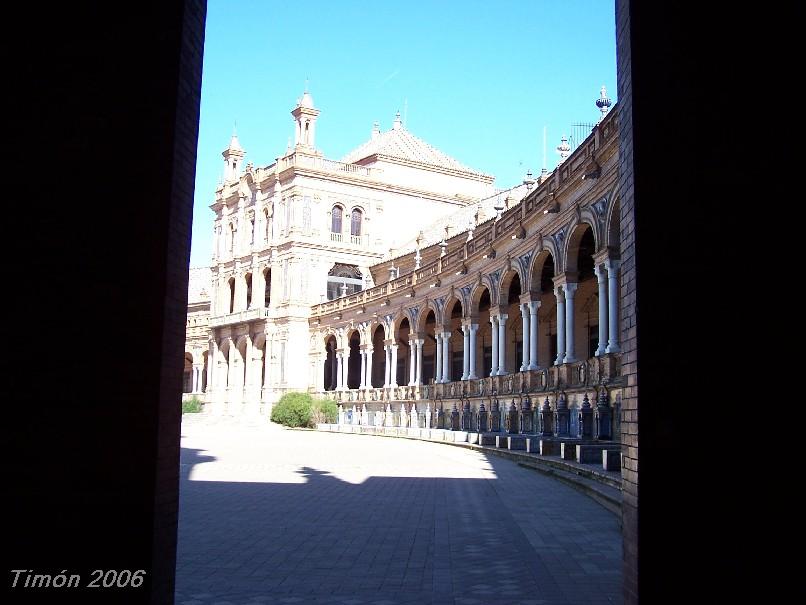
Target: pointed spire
{"points": [[376, 129], [397, 124]]}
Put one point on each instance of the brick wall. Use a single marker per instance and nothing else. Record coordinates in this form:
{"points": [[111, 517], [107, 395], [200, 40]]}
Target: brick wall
{"points": [[629, 368]]}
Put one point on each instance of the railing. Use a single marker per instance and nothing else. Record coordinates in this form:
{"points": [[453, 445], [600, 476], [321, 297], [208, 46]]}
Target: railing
{"points": [[335, 237], [325, 165], [577, 376], [486, 233], [239, 317]]}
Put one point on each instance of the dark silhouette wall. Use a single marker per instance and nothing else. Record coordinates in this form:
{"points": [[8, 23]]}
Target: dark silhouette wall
{"points": [[101, 161]]}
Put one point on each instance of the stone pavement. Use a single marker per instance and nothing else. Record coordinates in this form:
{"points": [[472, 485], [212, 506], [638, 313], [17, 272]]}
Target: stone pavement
{"points": [[271, 515]]}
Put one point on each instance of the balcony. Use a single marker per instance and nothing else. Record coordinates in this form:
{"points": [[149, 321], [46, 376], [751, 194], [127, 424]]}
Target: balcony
{"points": [[239, 317]]}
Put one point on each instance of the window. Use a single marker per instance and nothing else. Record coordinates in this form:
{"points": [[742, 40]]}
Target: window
{"points": [[341, 275], [336, 220], [355, 222]]}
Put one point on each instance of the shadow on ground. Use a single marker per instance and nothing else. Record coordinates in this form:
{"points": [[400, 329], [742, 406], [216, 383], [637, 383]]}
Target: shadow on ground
{"points": [[394, 540]]}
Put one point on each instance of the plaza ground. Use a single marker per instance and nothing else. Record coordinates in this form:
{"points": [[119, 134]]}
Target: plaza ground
{"points": [[272, 515]]}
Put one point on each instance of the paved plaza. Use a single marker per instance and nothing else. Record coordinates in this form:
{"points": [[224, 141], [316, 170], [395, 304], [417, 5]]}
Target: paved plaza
{"points": [[272, 515]]}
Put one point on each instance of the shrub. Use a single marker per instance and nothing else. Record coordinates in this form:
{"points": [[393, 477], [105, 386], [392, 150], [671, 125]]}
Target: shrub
{"points": [[192, 405], [324, 411], [293, 409]]}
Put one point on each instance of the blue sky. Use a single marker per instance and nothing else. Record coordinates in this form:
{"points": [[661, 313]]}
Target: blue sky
{"points": [[478, 80]]}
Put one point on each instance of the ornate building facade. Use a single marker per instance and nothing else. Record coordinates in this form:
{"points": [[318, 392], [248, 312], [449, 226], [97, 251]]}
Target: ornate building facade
{"points": [[325, 279], [305, 230]]}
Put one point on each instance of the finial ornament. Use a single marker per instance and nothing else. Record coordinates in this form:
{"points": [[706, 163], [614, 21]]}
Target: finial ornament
{"points": [[603, 103]]}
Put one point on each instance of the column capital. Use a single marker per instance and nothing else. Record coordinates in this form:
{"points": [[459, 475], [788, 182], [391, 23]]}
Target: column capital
{"points": [[527, 297], [473, 326], [393, 347], [502, 317], [568, 277], [570, 288], [420, 341], [613, 264], [533, 306], [600, 271]]}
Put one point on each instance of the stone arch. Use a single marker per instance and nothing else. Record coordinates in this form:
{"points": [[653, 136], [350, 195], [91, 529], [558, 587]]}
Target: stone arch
{"points": [[330, 366], [451, 309], [543, 259], [187, 373], [577, 231], [402, 339], [507, 280], [242, 347], [259, 347], [428, 307], [612, 237], [477, 293], [222, 369], [377, 338]]}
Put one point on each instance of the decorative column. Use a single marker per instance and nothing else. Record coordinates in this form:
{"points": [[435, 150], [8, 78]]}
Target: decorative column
{"points": [[474, 328], [570, 290], [345, 366], [412, 346], [533, 307], [601, 278], [612, 303], [526, 334], [494, 332], [248, 370], [212, 357], [368, 378], [363, 377], [446, 361], [418, 376], [558, 292], [393, 375], [339, 371], [438, 361], [502, 344], [387, 366], [466, 352]]}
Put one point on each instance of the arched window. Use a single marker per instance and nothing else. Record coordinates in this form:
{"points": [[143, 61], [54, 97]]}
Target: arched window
{"points": [[266, 225], [355, 222], [336, 222], [231, 294], [232, 233], [344, 275]]}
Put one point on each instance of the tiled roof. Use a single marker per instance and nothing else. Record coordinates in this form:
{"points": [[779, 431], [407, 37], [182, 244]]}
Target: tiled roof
{"points": [[400, 143], [199, 284]]}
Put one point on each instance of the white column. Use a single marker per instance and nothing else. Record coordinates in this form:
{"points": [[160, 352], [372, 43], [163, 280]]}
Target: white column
{"points": [[393, 375], [446, 357], [494, 332], [249, 369], [412, 369], [212, 351], [387, 366], [438, 364], [368, 378], [612, 304], [466, 352], [418, 376], [526, 333], [570, 290], [473, 329], [502, 344], [339, 371], [558, 292], [533, 307], [601, 278], [363, 384], [346, 367]]}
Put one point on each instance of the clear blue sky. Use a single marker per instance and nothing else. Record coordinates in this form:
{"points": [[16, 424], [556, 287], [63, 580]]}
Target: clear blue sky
{"points": [[481, 79]]}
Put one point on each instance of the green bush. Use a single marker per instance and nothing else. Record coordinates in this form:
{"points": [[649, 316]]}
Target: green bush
{"points": [[192, 405], [293, 409], [324, 411]]}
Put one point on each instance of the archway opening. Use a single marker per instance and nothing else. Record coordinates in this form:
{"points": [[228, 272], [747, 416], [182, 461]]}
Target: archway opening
{"points": [[378, 357], [330, 363], [354, 361]]}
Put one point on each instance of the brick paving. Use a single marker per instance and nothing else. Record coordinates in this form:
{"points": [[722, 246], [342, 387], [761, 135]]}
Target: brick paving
{"points": [[275, 516]]}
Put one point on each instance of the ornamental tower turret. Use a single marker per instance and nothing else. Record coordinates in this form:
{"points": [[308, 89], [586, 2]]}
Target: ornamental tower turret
{"points": [[305, 115], [233, 156]]}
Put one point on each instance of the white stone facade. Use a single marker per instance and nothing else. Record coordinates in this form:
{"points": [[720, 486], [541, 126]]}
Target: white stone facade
{"points": [[299, 232]]}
